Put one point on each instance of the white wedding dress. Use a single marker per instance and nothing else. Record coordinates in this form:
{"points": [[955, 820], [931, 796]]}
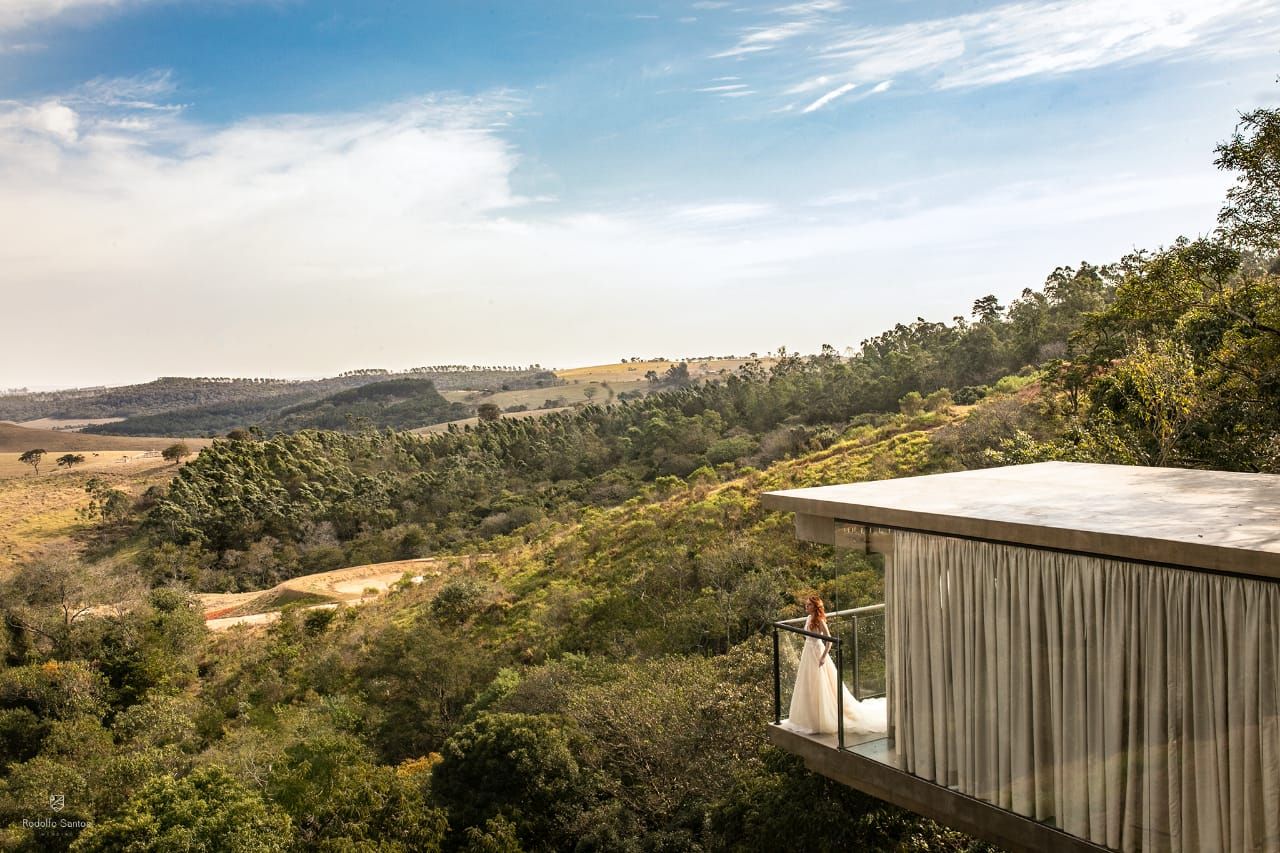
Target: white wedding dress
{"points": [[813, 702]]}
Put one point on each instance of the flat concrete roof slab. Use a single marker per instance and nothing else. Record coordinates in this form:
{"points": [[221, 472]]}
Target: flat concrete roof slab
{"points": [[1214, 520]]}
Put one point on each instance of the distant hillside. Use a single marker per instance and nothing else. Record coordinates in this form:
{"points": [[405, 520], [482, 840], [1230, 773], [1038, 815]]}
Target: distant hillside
{"points": [[212, 419], [174, 406], [162, 395], [402, 403], [17, 439]]}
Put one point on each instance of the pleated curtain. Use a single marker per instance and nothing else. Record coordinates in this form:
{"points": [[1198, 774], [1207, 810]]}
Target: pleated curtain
{"points": [[1133, 705]]}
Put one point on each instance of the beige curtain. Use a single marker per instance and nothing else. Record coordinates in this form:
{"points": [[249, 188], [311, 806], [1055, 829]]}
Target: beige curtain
{"points": [[1133, 705]]}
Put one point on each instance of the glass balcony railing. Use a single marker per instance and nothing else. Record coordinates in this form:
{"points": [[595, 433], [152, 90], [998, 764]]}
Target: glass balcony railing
{"points": [[856, 645]]}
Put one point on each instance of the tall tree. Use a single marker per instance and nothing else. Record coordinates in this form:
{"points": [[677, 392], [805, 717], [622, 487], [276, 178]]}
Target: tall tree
{"points": [[1251, 215]]}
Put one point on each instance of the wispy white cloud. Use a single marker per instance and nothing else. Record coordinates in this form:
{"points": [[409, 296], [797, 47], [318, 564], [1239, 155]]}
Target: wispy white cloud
{"points": [[1006, 42], [143, 91], [727, 87], [829, 97], [819, 82], [761, 39], [810, 7]]}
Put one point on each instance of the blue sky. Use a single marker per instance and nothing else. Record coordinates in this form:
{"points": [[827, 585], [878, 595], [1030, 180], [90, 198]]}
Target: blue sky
{"points": [[295, 188]]}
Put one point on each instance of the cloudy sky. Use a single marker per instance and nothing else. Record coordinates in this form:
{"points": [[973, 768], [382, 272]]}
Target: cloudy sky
{"points": [[290, 188]]}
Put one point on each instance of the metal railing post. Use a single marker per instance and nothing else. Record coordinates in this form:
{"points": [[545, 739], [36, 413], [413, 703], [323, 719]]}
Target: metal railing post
{"points": [[839, 694], [777, 680], [857, 661]]}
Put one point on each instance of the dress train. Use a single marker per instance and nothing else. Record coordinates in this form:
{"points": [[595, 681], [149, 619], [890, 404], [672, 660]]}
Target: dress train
{"points": [[813, 702]]}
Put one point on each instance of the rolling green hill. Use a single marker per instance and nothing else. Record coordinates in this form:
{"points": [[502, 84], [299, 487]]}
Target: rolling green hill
{"points": [[404, 403]]}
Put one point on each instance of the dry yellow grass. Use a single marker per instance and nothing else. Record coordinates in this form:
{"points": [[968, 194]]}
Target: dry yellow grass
{"points": [[37, 513], [635, 371], [573, 393], [95, 462]]}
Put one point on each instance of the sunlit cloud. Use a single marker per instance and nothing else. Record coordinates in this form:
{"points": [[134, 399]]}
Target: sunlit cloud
{"points": [[16, 14]]}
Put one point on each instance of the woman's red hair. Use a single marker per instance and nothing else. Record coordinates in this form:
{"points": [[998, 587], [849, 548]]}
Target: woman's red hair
{"points": [[818, 610]]}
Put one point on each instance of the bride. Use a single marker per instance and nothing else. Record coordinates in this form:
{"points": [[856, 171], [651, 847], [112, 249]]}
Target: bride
{"points": [[813, 702]]}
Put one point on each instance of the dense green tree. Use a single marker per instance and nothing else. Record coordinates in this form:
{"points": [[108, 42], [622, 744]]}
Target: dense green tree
{"points": [[205, 812], [421, 677], [176, 452], [340, 799], [515, 766], [36, 696], [781, 805], [498, 835], [106, 503]]}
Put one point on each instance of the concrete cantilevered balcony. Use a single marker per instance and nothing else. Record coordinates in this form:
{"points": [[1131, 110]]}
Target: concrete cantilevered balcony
{"points": [[1075, 657]]}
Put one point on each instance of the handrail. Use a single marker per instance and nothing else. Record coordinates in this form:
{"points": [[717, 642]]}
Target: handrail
{"points": [[793, 629], [853, 611]]}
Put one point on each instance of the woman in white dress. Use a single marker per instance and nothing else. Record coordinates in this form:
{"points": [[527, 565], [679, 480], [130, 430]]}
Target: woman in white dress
{"points": [[813, 702]]}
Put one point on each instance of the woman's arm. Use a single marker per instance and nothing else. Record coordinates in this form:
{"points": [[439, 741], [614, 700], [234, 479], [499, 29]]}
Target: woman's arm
{"points": [[826, 644]]}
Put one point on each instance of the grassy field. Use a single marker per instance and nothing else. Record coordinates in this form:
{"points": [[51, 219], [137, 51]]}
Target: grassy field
{"points": [[37, 513], [599, 383], [95, 462], [701, 368], [574, 393]]}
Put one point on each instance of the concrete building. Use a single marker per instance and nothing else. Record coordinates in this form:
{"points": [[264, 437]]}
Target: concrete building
{"points": [[1075, 657]]}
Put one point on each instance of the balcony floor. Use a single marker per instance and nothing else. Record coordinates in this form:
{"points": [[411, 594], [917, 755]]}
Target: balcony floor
{"points": [[869, 764]]}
